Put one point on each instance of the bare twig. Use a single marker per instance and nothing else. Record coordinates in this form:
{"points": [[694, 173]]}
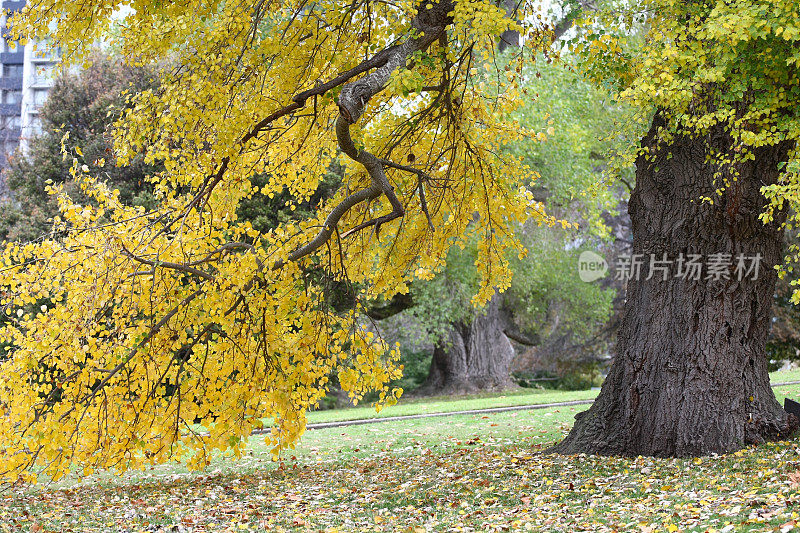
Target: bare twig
{"points": [[167, 264]]}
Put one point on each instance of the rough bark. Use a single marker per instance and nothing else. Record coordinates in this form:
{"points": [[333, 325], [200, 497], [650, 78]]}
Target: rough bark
{"points": [[476, 357], [690, 374]]}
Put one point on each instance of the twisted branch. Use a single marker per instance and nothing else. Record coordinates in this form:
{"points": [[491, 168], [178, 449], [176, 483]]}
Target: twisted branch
{"points": [[427, 27]]}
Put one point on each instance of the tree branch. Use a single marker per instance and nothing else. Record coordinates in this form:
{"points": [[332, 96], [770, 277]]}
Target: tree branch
{"points": [[562, 26], [517, 336], [427, 26], [398, 304], [167, 264]]}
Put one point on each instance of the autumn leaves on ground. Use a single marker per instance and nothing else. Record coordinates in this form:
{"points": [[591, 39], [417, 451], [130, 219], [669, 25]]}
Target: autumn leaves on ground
{"points": [[464, 472]]}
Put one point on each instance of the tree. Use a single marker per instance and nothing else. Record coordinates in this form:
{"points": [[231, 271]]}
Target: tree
{"points": [[83, 106], [714, 178], [188, 296], [473, 349]]}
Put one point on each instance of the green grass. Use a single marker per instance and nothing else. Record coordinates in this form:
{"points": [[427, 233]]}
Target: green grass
{"points": [[477, 472], [416, 406], [785, 375], [447, 404]]}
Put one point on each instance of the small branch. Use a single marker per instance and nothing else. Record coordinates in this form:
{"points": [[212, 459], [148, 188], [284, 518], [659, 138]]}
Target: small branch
{"points": [[518, 336], [330, 223], [422, 176], [412, 170], [166, 264], [224, 248], [377, 222], [423, 204], [626, 183]]}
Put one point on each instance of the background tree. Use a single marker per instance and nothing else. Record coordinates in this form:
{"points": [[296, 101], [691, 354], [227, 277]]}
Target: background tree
{"points": [[82, 105], [547, 304]]}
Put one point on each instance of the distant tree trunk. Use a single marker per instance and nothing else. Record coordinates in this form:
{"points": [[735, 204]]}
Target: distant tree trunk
{"points": [[476, 357], [690, 375], [509, 38]]}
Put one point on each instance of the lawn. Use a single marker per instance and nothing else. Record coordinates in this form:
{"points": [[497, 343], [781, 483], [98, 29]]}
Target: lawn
{"points": [[465, 472], [417, 406], [785, 375], [447, 404]]}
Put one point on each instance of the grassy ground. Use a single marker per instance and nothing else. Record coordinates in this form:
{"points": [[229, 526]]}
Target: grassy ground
{"points": [[785, 375], [466, 472], [415, 406], [447, 404]]}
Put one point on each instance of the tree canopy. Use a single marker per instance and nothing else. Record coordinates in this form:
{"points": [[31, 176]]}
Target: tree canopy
{"points": [[704, 66], [130, 323]]}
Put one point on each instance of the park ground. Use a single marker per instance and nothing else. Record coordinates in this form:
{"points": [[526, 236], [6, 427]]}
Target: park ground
{"points": [[473, 472]]}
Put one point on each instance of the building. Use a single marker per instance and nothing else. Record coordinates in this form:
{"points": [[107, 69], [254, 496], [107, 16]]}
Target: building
{"points": [[26, 76]]}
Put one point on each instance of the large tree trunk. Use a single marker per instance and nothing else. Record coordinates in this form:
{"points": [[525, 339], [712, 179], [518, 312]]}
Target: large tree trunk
{"points": [[476, 356], [690, 375]]}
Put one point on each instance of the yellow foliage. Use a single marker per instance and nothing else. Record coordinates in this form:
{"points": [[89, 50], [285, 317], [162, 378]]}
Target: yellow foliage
{"points": [[128, 325]]}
